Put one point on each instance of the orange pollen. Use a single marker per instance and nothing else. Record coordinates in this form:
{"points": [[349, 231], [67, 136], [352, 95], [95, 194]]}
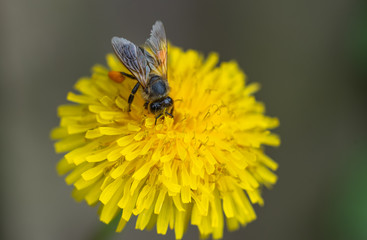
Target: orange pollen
{"points": [[116, 76]]}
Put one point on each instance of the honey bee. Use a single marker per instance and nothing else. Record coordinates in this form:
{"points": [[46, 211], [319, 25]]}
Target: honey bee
{"points": [[148, 65]]}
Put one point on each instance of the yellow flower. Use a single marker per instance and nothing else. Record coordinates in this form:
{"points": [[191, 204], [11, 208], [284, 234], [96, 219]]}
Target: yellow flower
{"points": [[205, 166]]}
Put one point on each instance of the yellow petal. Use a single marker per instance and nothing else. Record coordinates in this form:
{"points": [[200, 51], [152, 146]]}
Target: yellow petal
{"points": [[160, 199], [110, 190]]}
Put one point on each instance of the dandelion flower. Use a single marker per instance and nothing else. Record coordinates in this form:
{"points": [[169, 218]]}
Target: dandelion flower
{"points": [[206, 166]]}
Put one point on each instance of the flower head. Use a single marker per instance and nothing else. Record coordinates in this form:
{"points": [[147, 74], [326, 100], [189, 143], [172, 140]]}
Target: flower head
{"points": [[205, 166]]}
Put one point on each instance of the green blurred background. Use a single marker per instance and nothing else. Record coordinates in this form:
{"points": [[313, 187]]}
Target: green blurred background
{"points": [[309, 56]]}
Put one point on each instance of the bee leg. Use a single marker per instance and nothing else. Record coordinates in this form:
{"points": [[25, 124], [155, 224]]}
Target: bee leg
{"points": [[131, 97], [169, 114], [128, 75], [146, 104], [156, 118]]}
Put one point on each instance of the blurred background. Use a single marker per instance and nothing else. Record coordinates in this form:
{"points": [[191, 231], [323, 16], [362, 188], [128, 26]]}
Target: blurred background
{"points": [[309, 56]]}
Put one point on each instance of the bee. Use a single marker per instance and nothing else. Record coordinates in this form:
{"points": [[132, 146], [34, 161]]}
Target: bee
{"points": [[148, 65]]}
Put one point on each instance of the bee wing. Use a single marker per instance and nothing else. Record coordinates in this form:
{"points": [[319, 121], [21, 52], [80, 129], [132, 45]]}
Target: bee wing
{"points": [[156, 50], [133, 59]]}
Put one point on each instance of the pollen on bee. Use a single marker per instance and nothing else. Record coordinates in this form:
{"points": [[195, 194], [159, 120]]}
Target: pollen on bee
{"points": [[116, 76]]}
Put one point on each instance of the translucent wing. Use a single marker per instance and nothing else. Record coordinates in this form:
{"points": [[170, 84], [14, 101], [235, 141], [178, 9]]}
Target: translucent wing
{"points": [[156, 50], [133, 59]]}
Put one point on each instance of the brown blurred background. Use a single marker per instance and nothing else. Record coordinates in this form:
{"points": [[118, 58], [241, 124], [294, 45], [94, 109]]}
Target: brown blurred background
{"points": [[310, 57]]}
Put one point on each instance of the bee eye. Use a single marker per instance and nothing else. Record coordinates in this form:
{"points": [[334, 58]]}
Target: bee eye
{"points": [[167, 101]]}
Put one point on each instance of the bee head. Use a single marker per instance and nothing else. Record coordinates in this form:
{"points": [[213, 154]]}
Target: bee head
{"points": [[160, 105]]}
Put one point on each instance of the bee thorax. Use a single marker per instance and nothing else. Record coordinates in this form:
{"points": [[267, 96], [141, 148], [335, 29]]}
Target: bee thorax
{"points": [[158, 88]]}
